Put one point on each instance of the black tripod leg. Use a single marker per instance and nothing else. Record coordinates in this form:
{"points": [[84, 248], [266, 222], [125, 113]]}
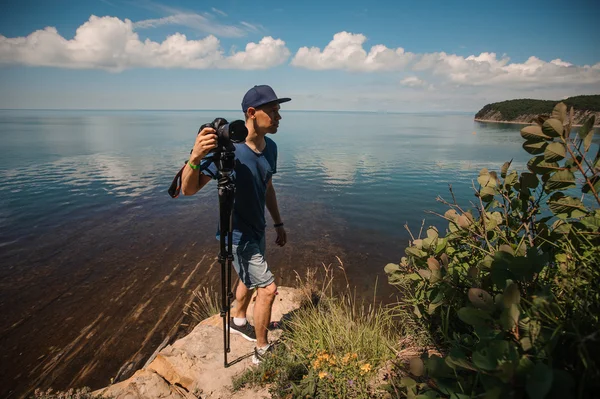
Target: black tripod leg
{"points": [[224, 300], [229, 288], [226, 188], [226, 196]]}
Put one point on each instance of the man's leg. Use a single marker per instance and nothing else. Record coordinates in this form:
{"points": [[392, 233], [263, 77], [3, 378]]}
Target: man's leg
{"points": [[262, 313], [242, 297]]}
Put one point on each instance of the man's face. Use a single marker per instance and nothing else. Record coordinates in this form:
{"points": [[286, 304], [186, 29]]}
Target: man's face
{"points": [[267, 118]]}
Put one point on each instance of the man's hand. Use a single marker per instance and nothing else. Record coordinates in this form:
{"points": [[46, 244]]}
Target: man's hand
{"points": [[205, 141], [281, 236]]}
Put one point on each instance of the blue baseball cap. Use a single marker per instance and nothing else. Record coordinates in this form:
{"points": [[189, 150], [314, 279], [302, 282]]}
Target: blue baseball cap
{"points": [[261, 95]]}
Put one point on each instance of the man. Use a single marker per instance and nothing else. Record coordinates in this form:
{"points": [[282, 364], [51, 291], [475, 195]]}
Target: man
{"points": [[256, 162]]}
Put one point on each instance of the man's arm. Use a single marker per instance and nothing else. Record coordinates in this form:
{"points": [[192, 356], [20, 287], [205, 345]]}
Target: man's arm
{"points": [[191, 179], [271, 202]]}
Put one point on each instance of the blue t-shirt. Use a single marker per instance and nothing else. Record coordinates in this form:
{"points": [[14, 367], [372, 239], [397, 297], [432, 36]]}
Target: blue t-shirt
{"points": [[252, 173]]}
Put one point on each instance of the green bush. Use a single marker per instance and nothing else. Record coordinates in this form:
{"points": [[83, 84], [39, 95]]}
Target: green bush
{"points": [[510, 293]]}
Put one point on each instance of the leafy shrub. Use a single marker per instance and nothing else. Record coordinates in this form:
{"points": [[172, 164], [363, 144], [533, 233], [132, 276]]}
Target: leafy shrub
{"points": [[510, 293]]}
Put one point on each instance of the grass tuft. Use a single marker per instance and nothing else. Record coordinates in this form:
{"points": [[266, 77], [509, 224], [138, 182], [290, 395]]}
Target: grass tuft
{"points": [[204, 305], [332, 346]]}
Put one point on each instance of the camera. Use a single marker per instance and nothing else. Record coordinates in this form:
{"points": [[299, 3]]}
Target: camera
{"points": [[222, 155], [227, 133]]}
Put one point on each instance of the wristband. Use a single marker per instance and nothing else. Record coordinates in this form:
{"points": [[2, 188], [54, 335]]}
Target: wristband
{"points": [[191, 165], [278, 225]]}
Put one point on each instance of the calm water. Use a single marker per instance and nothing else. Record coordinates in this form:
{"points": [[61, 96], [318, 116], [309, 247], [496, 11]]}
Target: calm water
{"points": [[97, 261], [374, 172]]}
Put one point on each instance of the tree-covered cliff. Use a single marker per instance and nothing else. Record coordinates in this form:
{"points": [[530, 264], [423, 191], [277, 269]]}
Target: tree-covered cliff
{"points": [[524, 110]]}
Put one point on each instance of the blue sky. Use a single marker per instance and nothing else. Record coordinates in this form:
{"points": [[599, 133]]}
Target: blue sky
{"points": [[333, 55]]}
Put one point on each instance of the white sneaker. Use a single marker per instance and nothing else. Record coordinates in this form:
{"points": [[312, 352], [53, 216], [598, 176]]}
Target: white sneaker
{"points": [[261, 353]]}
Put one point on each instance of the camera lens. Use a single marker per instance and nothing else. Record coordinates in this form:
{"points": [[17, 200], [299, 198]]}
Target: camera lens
{"points": [[238, 131]]}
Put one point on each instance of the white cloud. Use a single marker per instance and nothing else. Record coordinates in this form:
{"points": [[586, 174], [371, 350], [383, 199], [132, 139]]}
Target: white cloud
{"points": [[346, 51], [268, 50], [111, 44], [412, 81], [252, 27], [488, 70], [206, 22], [221, 13], [560, 62], [194, 21]]}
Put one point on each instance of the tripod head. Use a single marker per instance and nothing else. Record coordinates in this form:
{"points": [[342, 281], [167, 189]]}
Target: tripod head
{"points": [[225, 162]]}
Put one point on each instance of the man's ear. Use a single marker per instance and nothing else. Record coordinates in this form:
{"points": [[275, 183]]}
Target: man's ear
{"points": [[250, 112]]}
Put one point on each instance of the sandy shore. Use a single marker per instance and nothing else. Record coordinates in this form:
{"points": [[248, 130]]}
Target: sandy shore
{"points": [[516, 123]]}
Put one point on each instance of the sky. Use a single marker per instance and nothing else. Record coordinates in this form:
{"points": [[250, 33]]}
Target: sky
{"points": [[383, 56]]}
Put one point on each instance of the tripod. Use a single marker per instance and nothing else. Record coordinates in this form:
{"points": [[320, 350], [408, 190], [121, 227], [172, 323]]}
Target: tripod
{"points": [[224, 159], [225, 163]]}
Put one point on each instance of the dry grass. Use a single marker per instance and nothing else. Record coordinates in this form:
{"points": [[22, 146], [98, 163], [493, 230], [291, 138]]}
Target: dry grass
{"points": [[204, 305]]}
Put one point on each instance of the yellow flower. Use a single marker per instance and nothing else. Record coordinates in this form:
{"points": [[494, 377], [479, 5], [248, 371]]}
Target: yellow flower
{"points": [[316, 364], [266, 376], [365, 368], [332, 360], [322, 374]]}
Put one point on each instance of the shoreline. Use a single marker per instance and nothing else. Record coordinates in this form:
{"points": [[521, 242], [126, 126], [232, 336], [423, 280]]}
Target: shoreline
{"points": [[518, 123]]}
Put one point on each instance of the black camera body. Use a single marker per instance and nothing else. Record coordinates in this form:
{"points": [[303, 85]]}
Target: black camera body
{"points": [[227, 134]]}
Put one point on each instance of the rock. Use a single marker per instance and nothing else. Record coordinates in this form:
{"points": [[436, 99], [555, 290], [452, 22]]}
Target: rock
{"points": [[192, 367], [170, 368], [142, 385]]}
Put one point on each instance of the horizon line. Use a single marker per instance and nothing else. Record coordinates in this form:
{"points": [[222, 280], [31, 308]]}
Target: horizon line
{"points": [[232, 110]]}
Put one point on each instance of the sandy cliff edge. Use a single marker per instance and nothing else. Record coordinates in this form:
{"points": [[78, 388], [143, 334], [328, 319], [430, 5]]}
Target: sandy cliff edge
{"points": [[192, 367]]}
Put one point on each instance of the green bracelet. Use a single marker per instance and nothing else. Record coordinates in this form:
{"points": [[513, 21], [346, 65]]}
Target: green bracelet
{"points": [[195, 167]]}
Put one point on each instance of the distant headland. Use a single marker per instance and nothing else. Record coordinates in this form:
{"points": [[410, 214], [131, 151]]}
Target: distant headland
{"points": [[524, 111]]}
